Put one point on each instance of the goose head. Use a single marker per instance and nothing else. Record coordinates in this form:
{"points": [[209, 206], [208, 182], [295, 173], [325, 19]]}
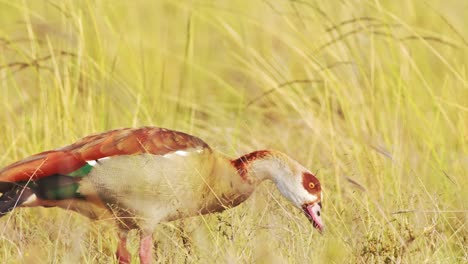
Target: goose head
{"points": [[303, 190], [294, 181]]}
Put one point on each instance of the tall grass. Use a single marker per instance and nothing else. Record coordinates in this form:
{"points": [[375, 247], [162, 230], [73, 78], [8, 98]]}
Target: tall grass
{"points": [[371, 95]]}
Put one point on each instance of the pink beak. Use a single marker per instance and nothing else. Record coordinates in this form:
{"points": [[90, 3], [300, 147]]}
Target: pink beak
{"points": [[313, 213]]}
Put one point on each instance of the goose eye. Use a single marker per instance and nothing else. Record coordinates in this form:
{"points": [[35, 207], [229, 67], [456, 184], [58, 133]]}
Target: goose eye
{"points": [[311, 185]]}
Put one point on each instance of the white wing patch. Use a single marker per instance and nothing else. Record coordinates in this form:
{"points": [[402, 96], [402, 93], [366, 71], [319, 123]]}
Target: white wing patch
{"points": [[94, 162], [91, 162], [180, 153], [183, 153]]}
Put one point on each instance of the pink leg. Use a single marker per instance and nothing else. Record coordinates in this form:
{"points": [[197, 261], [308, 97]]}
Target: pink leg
{"points": [[146, 248], [123, 256]]}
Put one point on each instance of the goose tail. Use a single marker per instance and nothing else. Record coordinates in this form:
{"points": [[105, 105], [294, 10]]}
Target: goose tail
{"points": [[12, 195]]}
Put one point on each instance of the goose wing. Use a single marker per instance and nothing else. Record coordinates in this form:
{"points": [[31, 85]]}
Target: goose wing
{"points": [[126, 141]]}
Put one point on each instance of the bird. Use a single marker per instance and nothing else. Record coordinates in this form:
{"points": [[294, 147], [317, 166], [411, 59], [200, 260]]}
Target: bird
{"points": [[149, 175]]}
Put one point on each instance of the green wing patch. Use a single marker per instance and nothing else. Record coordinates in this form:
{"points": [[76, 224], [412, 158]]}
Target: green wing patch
{"points": [[81, 172], [58, 186]]}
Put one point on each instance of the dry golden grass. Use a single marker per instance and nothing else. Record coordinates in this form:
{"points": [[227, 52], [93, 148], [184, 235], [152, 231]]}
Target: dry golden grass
{"points": [[372, 95]]}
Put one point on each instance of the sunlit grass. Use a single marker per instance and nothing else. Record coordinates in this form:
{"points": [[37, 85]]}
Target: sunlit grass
{"points": [[370, 95]]}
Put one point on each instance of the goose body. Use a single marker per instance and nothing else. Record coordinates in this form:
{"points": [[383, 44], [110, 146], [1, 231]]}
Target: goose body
{"points": [[145, 176]]}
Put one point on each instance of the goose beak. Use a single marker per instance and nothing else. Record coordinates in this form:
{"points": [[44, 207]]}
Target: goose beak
{"points": [[312, 212]]}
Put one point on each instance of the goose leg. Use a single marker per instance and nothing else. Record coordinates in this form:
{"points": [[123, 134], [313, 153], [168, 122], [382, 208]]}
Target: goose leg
{"points": [[146, 247], [123, 256]]}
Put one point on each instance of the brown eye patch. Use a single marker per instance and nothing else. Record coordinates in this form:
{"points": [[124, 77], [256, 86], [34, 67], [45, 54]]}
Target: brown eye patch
{"points": [[310, 183]]}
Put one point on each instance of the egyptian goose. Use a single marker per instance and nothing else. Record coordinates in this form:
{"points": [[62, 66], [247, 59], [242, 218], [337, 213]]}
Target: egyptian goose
{"points": [[145, 176]]}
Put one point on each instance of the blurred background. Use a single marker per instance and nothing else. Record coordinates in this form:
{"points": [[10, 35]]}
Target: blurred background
{"points": [[372, 96]]}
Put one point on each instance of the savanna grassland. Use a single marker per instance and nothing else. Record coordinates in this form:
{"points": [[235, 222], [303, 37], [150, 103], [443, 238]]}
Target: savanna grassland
{"points": [[370, 95]]}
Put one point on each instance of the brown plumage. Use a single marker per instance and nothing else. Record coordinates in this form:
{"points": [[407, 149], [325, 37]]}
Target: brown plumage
{"points": [[127, 141], [149, 175]]}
